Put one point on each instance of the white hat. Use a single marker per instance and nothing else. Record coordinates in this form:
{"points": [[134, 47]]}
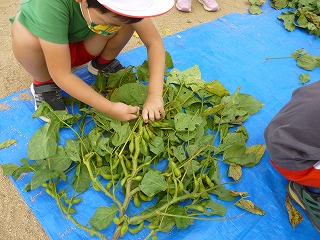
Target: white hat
{"points": [[138, 8]]}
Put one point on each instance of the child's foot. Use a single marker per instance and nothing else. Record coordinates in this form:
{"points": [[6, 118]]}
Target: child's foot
{"points": [[184, 5], [308, 201], [210, 5], [111, 67], [49, 93]]}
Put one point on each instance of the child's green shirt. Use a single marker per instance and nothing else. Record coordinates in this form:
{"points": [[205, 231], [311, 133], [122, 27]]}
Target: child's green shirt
{"points": [[57, 21]]}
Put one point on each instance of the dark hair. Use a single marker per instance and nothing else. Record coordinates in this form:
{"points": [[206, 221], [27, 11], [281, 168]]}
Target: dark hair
{"points": [[95, 4]]}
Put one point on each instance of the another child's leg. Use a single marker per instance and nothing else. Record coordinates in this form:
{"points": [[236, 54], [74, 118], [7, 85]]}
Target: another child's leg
{"points": [[184, 5], [293, 142], [210, 5]]}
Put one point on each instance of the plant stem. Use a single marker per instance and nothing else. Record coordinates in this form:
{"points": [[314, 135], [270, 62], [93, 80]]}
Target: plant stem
{"points": [[128, 197], [276, 58], [71, 218], [158, 211], [97, 182]]}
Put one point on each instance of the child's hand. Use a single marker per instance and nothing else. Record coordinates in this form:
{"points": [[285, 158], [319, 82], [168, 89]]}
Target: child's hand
{"points": [[153, 108], [124, 112]]}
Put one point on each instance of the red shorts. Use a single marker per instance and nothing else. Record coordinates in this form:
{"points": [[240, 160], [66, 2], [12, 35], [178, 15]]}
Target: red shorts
{"points": [[79, 54], [308, 177]]}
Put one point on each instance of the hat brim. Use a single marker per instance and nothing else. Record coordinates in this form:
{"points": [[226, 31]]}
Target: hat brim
{"points": [[138, 8]]}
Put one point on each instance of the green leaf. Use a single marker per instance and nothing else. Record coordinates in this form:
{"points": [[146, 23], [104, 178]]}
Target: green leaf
{"points": [[82, 179], [187, 122], [44, 142], [179, 153], [304, 78], [302, 21], [222, 193], [58, 162], [73, 150], [25, 168], [254, 9], [168, 60], [7, 143], [216, 88], [192, 167], [240, 106], [153, 183], [103, 217], [9, 168], [288, 20], [308, 62], [156, 145], [41, 176], [122, 132], [46, 110], [133, 94], [215, 208], [181, 222], [166, 224], [121, 77], [101, 81], [279, 4], [143, 72]]}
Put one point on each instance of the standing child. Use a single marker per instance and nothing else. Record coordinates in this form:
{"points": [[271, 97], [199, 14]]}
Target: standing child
{"points": [[50, 37], [185, 5]]}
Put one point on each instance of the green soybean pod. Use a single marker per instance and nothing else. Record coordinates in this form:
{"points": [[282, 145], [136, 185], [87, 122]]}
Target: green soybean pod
{"points": [[150, 133], [208, 181], [137, 229], [99, 160], [131, 144], [124, 229], [145, 134], [136, 200]]}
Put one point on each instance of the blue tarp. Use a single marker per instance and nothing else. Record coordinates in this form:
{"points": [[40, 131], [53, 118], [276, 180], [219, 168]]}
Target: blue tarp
{"points": [[231, 49]]}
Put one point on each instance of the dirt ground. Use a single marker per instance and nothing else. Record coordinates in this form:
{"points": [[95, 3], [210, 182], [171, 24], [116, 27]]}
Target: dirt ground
{"points": [[16, 219]]}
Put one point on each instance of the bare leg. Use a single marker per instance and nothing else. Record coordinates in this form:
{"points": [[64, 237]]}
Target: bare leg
{"points": [[27, 50], [114, 44]]}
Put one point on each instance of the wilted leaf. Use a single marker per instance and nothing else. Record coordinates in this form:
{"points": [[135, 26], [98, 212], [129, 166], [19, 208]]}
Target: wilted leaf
{"points": [[304, 78], [135, 34], [235, 172], [7, 143], [295, 216], [166, 31], [258, 151], [249, 206]]}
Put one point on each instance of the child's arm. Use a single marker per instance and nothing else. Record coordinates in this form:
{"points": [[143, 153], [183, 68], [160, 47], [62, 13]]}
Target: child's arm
{"points": [[58, 62], [153, 106]]}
